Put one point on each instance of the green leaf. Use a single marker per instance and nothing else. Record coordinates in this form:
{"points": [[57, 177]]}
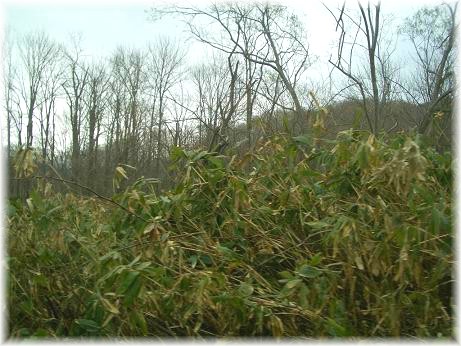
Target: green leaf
{"points": [[335, 329], [23, 332], [88, 325], [439, 221], [41, 280], [132, 292], [361, 156], [193, 261], [206, 260], [217, 162], [246, 289], [143, 265], [138, 319], [305, 139], [303, 294], [227, 253], [308, 271], [199, 155], [127, 282], [11, 210], [293, 283], [316, 259], [40, 332], [286, 274], [176, 153], [165, 199]]}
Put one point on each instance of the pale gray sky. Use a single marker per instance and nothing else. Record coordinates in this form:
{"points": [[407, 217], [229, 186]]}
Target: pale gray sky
{"points": [[103, 26], [106, 24]]}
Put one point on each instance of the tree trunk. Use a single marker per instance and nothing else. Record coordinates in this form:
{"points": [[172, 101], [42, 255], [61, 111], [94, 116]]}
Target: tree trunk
{"points": [[30, 115]]}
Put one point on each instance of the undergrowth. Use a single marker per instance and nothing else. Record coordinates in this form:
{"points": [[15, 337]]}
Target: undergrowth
{"points": [[351, 237]]}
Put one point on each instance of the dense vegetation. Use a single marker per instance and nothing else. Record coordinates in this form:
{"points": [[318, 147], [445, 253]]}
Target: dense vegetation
{"points": [[299, 237]]}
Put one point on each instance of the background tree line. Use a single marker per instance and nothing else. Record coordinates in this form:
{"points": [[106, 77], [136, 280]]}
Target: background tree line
{"points": [[84, 117]]}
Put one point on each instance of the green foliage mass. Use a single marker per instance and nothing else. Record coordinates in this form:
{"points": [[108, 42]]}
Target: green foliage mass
{"points": [[343, 238]]}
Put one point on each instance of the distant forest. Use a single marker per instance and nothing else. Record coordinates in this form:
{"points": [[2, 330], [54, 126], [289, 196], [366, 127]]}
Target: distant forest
{"points": [[84, 118]]}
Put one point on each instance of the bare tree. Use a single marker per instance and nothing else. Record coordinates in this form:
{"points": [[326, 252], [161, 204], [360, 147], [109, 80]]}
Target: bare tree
{"points": [[130, 69], [179, 131], [76, 81], [117, 101], [373, 82], [96, 104], [211, 82], [11, 103], [51, 90], [10, 78], [267, 35], [37, 53], [432, 33], [227, 110], [272, 98], [165, 59]]}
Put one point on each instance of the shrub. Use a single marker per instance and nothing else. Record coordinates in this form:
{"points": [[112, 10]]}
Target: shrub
{"points": [[303, 238]]}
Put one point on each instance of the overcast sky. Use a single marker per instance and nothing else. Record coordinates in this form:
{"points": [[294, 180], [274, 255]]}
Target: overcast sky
{"points": [[105, 24]]}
